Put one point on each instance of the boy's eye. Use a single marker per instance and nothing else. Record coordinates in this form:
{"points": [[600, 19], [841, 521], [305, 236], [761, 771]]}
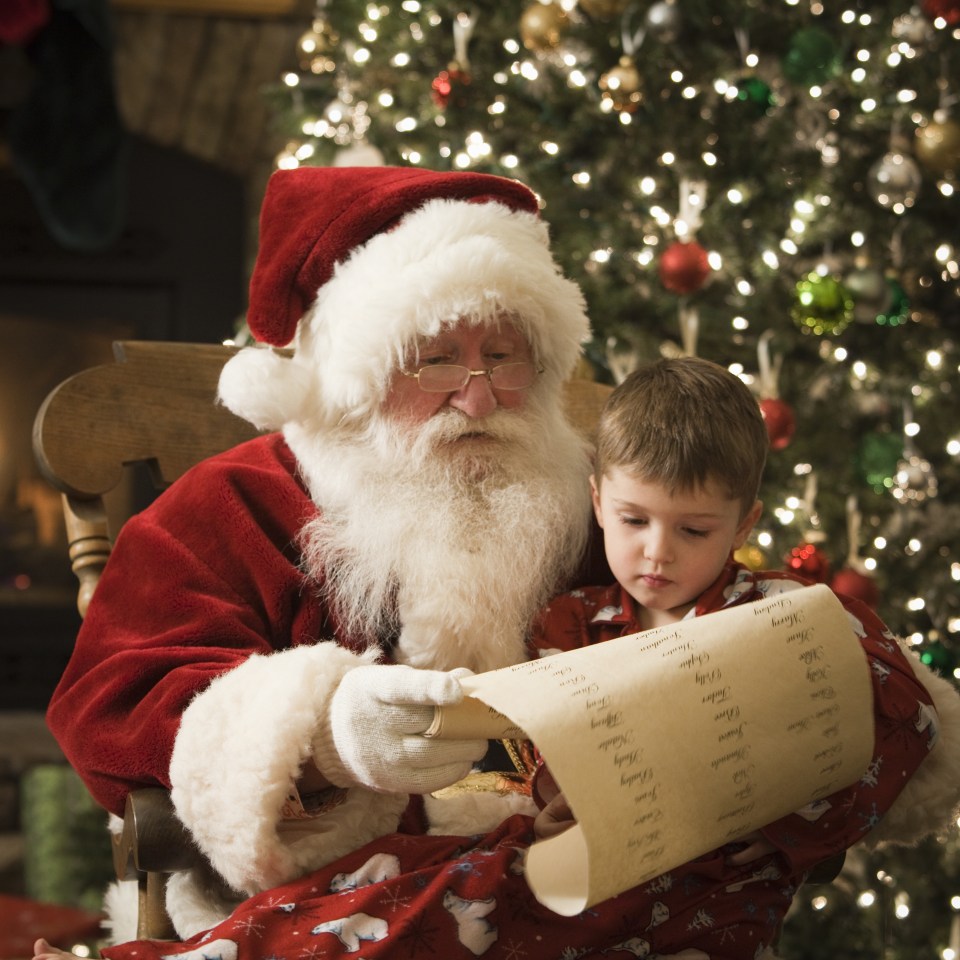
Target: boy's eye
{"points": [[696, 533]]}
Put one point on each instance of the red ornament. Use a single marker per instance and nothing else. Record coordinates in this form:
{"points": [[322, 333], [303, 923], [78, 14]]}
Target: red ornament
{"points": [[810, 562], [779, 420], [854, 584], [446, 83], [948, 10], [684, 266]]}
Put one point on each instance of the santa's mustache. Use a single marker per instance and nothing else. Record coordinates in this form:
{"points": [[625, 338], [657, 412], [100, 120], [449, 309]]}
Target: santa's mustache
{"points": [[448, 426]]}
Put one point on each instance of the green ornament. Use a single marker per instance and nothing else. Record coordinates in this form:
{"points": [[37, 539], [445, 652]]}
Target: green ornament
{"points": [[939, 658], [812, 58], [755, 96], [896, 311], [877, 458], [823, 305]]}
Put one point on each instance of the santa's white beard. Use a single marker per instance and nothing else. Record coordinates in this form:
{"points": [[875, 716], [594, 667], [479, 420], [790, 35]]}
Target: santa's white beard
{"points": [[456, 543]]}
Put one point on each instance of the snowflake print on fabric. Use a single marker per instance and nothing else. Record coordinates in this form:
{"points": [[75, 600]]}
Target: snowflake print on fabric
{"points": [[514, 951], [419, 934], [662, 884], [250, 926], [395, 900], [871, 776], [465, 868], [900, 726], [312, 953], [870, 820], [728, 933]]}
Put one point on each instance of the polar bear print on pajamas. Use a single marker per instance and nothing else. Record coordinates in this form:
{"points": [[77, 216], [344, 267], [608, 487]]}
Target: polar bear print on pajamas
{"points": [[381, 866], [474, 931], [352, 930], [214, 950]]}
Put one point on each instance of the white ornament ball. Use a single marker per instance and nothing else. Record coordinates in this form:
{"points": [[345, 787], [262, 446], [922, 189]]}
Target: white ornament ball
{"points": [[894, 179], [663, 21]]}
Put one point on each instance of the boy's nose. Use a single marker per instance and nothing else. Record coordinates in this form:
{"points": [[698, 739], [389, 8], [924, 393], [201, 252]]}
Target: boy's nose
{"points": [[658, 546]]}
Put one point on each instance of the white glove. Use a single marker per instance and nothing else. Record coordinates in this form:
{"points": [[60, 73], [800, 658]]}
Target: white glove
{"points": [[376, 717]]}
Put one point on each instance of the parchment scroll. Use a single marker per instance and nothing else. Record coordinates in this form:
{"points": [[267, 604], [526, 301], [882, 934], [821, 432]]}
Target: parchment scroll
{"points": [[674, 741]]}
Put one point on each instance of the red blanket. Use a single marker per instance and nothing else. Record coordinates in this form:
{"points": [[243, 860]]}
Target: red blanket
{"points": [[22, 921]]}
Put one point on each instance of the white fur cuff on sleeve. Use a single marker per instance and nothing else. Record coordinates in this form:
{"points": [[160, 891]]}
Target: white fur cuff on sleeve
{"points": [[241, 745]]}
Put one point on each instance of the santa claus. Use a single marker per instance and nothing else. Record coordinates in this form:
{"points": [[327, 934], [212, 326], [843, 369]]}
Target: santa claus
{"points": [[422, 497]]}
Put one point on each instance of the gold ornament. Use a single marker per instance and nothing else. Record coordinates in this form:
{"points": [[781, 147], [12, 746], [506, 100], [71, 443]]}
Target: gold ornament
{"points": [[938, 146], [603, 9], [621, 86], [542, 26], [315, 46], [751, 556]]}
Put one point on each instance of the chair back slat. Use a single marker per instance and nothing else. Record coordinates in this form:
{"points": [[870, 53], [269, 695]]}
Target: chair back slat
{"points": [[156, 405]]}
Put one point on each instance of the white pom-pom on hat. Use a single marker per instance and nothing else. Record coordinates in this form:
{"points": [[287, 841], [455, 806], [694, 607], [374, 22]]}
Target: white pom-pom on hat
{"points": [[266, 388]]}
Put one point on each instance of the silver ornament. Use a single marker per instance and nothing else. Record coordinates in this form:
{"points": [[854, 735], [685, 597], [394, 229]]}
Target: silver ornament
{"points": [[913, 28], [914, 480], [663, 21], [894, 180]]}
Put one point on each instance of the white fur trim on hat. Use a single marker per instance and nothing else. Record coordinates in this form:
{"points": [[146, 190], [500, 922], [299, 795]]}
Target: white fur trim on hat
{"points": [[265, 388]]}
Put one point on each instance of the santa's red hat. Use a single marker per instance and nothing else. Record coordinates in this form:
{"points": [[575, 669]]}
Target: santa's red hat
{"points": [[356, 263]]}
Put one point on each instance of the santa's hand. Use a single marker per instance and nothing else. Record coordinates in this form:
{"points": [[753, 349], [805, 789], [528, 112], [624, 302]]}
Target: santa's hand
{"points": [[376, 720]]}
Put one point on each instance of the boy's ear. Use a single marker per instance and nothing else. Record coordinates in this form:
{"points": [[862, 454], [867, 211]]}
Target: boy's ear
{"points": [[747, 524], [595, 497]]}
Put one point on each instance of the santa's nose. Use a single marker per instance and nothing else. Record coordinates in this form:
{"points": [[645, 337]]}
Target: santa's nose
{"points": [[475, 399]]}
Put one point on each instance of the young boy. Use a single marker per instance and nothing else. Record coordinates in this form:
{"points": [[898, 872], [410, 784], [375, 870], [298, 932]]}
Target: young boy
{"points": [[681, 448]]}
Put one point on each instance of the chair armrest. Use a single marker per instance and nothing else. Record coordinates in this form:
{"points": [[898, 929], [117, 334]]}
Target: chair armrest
{"points": [[153, 839]]}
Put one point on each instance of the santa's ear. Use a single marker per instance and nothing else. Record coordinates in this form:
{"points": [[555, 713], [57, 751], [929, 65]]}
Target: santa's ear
{"points": [[264, 387]]}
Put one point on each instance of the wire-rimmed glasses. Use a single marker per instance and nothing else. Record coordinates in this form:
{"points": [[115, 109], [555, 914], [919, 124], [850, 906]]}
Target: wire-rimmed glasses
{"points": [[448, 378]]}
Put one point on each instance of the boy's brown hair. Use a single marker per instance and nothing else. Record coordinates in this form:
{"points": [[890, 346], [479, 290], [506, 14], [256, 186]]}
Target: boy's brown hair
{"points": [[682, 423]]}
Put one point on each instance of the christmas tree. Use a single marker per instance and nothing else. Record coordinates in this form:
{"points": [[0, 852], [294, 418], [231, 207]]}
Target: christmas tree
{"points": [[772, 186]]}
